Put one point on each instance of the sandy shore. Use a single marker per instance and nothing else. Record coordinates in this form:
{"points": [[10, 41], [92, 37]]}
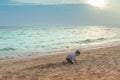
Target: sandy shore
{"points": [[94, 64]]}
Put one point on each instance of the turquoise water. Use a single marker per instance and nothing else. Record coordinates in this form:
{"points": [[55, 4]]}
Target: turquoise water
{"points": [[29, 41]]}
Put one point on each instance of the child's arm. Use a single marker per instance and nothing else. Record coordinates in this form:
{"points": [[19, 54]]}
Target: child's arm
{"points": [[75, 61]]}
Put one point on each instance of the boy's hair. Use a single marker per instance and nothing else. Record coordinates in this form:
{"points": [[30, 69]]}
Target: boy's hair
{"points": [[77, 52]]}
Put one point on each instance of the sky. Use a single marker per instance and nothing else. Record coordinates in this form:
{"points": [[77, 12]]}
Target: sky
{"points": [[58, 12]]}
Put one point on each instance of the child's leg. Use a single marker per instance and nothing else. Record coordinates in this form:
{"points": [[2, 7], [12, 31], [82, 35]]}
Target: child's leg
{"points": [[69, 61]]}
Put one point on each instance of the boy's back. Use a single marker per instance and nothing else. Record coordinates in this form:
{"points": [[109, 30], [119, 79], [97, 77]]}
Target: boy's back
{"points": [[71, 56]]}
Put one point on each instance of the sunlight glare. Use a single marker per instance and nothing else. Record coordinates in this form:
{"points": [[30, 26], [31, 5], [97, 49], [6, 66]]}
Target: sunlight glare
{"points": [[97, 3]]}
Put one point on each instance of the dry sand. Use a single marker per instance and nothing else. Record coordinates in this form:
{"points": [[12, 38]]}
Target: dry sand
{"points": [[94, 64]]}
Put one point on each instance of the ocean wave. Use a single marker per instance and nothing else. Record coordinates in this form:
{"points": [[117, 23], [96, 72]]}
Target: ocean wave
{"points": [[8, 49], [89, 40], [23, 40]]}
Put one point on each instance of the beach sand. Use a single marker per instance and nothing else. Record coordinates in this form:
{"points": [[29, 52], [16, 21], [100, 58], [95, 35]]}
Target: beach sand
{"points": [[94, 64]]}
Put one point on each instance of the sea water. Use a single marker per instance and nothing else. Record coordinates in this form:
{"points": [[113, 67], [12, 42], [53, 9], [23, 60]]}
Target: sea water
{"points": [[25, 41]]}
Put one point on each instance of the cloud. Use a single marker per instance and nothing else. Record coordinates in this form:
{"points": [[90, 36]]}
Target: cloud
{"points": [[47, 2]]}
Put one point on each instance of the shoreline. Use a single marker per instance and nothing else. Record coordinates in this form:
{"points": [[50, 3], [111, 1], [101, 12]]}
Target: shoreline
{"points": [[94, 64], [83, 47]]}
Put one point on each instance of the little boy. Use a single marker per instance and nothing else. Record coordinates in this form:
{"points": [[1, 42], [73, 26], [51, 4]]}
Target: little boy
{"points": [[71, 58]]}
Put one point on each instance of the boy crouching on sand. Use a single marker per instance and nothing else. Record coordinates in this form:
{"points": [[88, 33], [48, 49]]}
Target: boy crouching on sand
{"points": [[71, 58]]}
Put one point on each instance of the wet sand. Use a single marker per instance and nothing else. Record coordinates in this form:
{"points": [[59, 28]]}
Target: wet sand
{"points": [[94, 64]]}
